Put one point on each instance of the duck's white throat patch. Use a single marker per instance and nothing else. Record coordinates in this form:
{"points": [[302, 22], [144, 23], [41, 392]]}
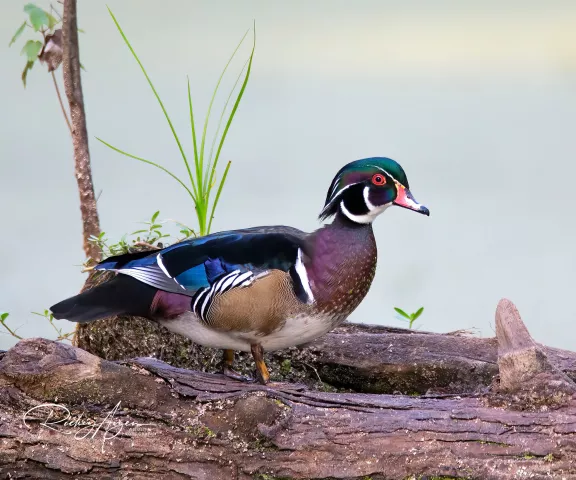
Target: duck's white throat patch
{"points": [[373, 210]]}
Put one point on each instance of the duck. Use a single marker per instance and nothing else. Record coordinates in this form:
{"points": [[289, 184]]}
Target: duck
{"points": [[258, 289]]}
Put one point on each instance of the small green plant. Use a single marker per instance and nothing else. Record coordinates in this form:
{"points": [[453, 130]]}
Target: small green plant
{"points": [[47, 315], [147, 237], [61, 335], [3, 317], [202, 177], [48, 50], [40, 21], [153, 234], [411, 318]]}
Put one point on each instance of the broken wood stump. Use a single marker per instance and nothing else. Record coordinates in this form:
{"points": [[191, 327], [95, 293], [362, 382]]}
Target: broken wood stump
{"points": [[145, 419]]}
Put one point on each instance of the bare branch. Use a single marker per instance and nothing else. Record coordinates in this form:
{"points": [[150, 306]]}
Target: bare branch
{"points": [[61, 103]]}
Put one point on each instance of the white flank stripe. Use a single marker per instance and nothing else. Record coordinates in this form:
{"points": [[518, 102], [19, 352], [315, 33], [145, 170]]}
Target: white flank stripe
{"points": [[303, 274], [161, 265], [198, 298], [205, 305]]}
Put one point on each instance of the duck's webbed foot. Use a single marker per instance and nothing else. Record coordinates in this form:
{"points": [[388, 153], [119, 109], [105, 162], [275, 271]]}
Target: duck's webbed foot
{"points": [[228, 363]]}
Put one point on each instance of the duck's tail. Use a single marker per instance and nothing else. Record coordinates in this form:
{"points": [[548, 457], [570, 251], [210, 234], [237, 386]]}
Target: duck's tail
{"points": [[123, 295]]}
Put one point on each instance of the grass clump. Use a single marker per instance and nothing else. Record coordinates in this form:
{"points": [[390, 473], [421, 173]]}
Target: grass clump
{"points": [[201, 181]]}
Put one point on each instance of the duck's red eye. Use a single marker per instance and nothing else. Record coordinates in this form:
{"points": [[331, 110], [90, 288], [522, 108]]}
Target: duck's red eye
{"points": [[378, 179]]}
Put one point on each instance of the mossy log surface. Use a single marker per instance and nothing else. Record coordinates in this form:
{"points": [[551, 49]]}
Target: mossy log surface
{"points": [[177, 423], [351, 358]]}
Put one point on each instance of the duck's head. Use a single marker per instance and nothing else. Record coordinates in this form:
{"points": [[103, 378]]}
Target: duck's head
{"points": [[363, 189]]}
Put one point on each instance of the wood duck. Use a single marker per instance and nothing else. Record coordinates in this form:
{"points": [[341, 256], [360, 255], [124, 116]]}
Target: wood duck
{"points": [[263, 288]]}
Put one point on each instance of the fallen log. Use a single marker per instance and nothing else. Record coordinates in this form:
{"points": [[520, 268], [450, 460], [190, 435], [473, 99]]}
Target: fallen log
{"points": [[145, 419], [354, 357]]}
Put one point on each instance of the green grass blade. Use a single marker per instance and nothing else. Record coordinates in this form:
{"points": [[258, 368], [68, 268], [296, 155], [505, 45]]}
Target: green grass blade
{"points": [[200, 208], [212, 102], [150, 163], [157, 98], [233, 112], [221, 119], [194, 136], [218, 195]]}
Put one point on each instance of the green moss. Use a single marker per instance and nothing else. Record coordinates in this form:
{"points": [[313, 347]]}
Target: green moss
{"points": [[285, 367], [200, 431], [488, 442]]}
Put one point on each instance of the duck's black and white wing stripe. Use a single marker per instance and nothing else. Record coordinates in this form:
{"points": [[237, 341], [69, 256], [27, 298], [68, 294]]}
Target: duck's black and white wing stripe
{"points": [[203, 300]]}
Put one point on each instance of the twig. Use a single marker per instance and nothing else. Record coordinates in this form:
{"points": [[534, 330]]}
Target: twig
{"points": [[56, 12], [146, 244], [10, 331], [315, 371], [61, 103]]}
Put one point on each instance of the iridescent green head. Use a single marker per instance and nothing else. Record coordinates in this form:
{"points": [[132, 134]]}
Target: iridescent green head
{"points": [[363, 189]]}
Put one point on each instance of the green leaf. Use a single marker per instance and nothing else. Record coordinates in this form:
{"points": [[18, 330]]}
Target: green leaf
{"points": [[211, 103], [218, 195], [223, 113], [149, 163], [402, 312], [138, 231], [155, 227], [155, 216], [418, 313], [17, 34], [233, 112], [52, 21], [4, 316], [38, 17], [31, 49], [28, 67], [159, 101]]}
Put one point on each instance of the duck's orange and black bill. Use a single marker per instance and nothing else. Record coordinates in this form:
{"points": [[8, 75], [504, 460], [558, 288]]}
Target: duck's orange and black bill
{"points": [[405, 199]]}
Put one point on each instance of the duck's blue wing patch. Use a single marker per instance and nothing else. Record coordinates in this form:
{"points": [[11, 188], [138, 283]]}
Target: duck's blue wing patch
{"points": [[219, 261]]}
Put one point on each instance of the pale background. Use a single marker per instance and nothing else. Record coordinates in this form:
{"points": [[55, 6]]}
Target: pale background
{"points": [[477, 100]]}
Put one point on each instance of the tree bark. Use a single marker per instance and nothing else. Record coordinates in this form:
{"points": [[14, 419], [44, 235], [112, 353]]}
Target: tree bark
{"points": [[182, 424], [73, 88]]}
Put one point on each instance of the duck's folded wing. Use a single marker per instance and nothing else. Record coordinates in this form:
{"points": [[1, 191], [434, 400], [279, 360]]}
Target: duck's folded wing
{"points": [[215, 263]]}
